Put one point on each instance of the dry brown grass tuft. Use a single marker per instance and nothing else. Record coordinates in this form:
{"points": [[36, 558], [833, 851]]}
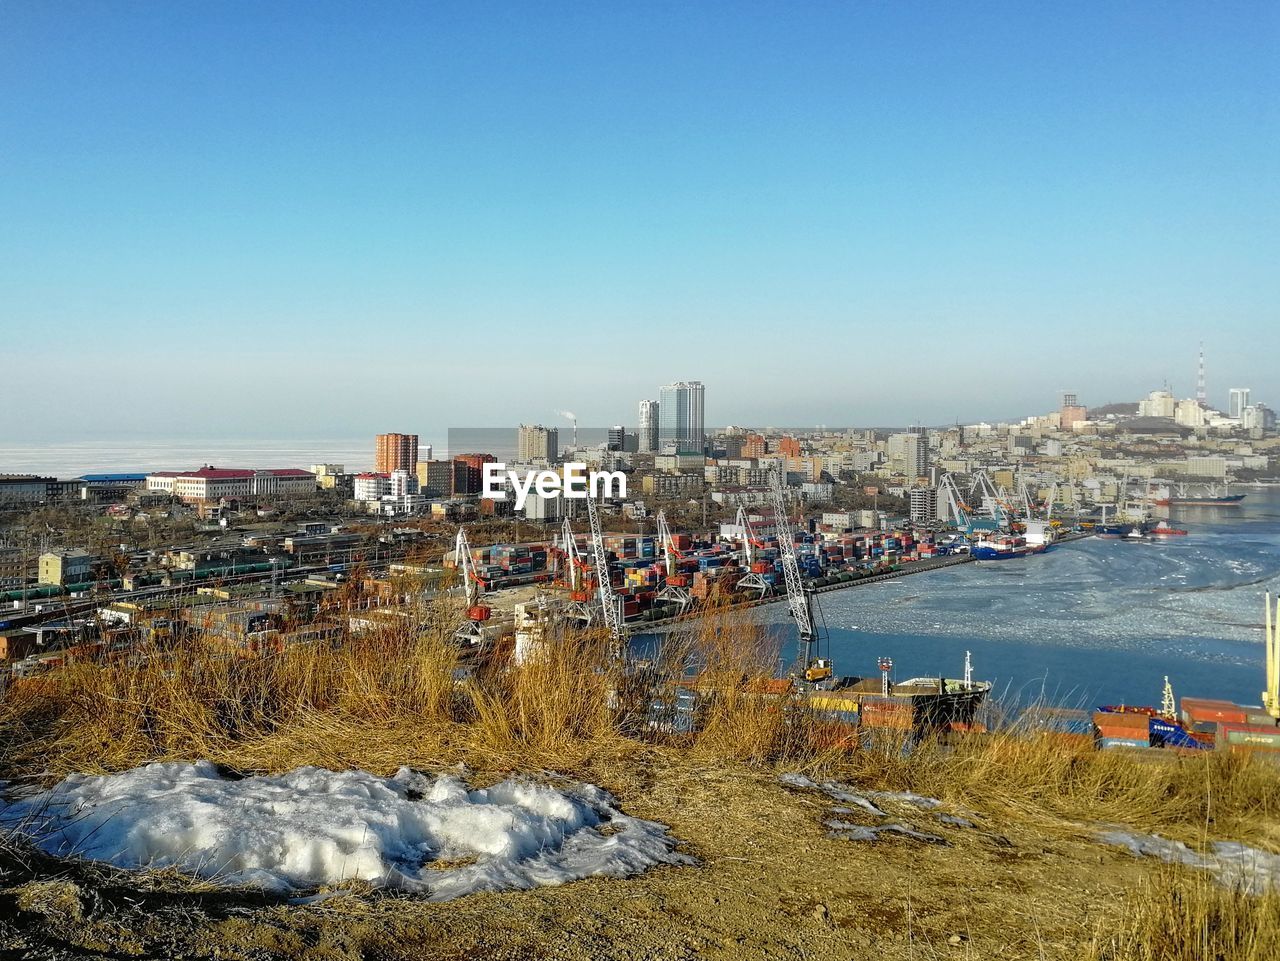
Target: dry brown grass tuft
{"points": [[393, 697], [1068, 777], [1184, 916]]}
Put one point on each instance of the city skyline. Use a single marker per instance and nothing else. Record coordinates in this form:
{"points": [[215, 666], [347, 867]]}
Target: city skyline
{"points": [[199, 206]]}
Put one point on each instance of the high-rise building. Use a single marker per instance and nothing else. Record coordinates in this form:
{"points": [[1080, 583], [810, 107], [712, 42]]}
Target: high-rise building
{"points": [[396, 452], [916, 455], [535, 442], [1237, 401], [681, 417], [755, 446], [789, 446], [648, 426], [923, 504], [468, 472], [617, 438]]}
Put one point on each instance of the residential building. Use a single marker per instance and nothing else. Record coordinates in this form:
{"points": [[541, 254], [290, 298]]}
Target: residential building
{"points": [[1189, 413], [617, 438], [924, 504], [13, 567], [30, 488], [1158, 403], [1215, 467], [681, 417], [69, 566], [648, 441], [327, 475], [1258, 417], [468, 475], [371, 486], [916, 454], [396, 452], [435, 477], [789, 447], [672, 485], [1237, 401], [535, 443]]}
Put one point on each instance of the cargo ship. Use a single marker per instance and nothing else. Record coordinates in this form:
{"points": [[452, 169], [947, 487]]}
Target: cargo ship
{"points": [[1164, 530], [921, 704], [1004, 548]]}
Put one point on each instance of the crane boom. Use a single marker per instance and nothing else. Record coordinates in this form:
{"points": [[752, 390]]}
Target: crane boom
{"points": [[608, 603], [797, 598]]}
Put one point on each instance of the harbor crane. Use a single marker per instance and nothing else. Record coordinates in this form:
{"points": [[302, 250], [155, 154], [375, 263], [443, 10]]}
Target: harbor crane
{"points": [[673, 588], [992, 499], [956, 505], [752, 580], [574, 576], [609, 606], [798, 600], [1271, 696], [473, 585]]}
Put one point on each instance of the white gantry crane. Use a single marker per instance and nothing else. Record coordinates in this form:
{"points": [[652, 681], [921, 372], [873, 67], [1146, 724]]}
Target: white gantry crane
{"points": [[956, 504], [1271, 696], [572, 574], [797, 598], [672, 589], [470, 632], [609, 608], [752, 580], [991, 498]]}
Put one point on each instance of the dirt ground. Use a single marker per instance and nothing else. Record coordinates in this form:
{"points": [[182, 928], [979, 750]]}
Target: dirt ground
{"points": [[770, 883]]}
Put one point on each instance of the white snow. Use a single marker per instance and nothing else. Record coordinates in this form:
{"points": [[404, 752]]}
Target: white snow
{"points": [[313, 827], [1234, 864]]}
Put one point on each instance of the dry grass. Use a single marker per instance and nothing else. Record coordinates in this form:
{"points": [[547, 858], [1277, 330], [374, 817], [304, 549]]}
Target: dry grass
{"points": [[394, 697], [1067, 777], [1182, 916]]}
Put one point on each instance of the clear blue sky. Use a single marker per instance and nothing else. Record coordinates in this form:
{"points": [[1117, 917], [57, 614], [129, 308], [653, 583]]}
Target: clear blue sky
{"points": [[314, 218]]}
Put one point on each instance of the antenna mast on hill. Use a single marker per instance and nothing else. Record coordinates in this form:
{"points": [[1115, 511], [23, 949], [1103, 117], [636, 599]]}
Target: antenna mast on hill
{"points": [[1201, 395]]}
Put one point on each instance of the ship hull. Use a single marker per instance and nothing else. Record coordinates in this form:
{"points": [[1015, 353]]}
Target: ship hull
{"points": [[1231, 500], [980, 553]]}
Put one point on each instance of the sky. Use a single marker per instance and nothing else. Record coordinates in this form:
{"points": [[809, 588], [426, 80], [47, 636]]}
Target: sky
{"points": [[332, 219]]}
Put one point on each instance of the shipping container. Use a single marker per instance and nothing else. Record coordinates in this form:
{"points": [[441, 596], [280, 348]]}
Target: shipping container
{"points": [[1107, 743], [1250, 735]]}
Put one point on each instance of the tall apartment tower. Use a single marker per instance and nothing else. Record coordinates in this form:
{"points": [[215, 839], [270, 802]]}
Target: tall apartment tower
{"points": [[1237, 401], [396, 452], [535, 442], [681, 417], [916, 454], [648, 426]]}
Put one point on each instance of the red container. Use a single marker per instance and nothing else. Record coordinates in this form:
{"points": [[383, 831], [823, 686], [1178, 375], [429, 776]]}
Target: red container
{"points": [[677, 580], [1121, 721], [1226, 713], [479, 613]]}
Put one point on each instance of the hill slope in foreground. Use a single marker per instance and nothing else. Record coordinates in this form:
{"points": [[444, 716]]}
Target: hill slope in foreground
{"points": [[772, 880]]}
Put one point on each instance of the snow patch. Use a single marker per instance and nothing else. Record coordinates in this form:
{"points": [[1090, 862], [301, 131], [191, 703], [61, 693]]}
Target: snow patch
{"points": [[313, 827], [848, 831], [1234, 864]]}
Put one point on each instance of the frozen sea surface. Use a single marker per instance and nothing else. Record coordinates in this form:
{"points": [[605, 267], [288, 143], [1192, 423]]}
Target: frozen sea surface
{"points": [[1090, 621]]}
